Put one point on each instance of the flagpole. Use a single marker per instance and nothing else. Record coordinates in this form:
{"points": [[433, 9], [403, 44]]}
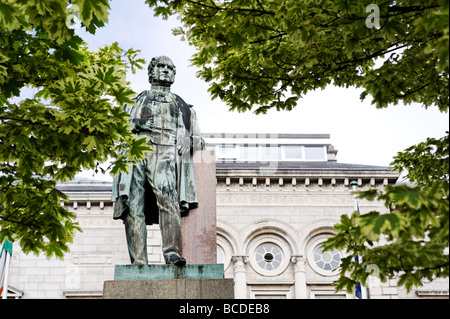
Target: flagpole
{"points": [[5, 284], [358, 259]]}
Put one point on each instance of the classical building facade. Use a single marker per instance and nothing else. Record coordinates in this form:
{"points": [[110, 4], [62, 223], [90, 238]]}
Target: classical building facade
{"points": [[278, 197]]}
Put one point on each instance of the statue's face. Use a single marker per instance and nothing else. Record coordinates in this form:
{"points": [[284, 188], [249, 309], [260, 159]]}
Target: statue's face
{"points": [[164, 72]]}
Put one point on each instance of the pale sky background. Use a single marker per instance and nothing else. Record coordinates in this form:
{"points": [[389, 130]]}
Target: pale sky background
{"points": [[361, 133]]}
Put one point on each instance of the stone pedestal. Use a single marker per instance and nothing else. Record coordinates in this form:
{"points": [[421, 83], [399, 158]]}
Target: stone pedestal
{"points": [[169, 289], [202, 277], [198, 243], [204, 281]]}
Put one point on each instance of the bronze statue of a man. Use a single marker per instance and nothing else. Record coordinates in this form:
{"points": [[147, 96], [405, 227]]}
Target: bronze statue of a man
{"points": [[162, 186]]}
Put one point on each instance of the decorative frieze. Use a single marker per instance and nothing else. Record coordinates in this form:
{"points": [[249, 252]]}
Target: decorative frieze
{"points": [[287, 200]]}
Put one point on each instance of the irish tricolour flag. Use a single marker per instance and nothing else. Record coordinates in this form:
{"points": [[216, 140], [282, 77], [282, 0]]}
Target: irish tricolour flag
{"points": [[5, 260]]}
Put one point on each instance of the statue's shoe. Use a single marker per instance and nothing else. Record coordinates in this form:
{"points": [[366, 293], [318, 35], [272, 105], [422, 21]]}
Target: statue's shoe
{"points": [[176, 260]]}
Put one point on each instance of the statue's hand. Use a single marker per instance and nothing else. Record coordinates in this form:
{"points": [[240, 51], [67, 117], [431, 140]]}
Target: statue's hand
{"points": [[184, 145], [141, 124]]}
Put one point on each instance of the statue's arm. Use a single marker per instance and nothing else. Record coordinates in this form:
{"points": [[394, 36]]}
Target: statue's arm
{"points": [[196, 137]]}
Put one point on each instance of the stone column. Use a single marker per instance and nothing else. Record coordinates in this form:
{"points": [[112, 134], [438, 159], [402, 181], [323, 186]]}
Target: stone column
{"points": [[198, 242], [300, 288], [240, 277]]}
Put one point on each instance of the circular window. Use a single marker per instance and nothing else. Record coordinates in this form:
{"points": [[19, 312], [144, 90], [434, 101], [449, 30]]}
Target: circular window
{"points": [[329, 260], [325, 263], [269, 256]]}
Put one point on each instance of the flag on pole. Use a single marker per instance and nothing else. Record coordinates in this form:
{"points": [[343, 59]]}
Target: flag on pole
{"points": [[5, 260], [360, 291]]}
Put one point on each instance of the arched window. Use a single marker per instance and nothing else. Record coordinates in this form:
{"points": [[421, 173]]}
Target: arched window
{"points": [[220, 255], [224, 250]]}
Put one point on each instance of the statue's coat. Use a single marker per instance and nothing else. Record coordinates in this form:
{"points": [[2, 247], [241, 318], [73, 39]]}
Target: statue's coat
{"points": [[186, 186]]}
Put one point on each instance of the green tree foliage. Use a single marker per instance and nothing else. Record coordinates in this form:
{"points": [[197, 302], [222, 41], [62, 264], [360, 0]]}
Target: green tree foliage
{"points": [[258, 55], [71, 120], [414, 235], [267, 54]]}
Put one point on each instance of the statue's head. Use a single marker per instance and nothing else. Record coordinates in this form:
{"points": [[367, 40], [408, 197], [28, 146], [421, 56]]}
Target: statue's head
{"points": [[161, 71]]}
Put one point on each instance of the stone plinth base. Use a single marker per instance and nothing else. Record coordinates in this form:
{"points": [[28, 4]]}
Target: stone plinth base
{"points": [[198, 242], [161, 271], [202, 281], [169, 289]]}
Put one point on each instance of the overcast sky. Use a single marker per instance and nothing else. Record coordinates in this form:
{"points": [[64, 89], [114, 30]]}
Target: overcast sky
{"points": [[361, 133]]}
